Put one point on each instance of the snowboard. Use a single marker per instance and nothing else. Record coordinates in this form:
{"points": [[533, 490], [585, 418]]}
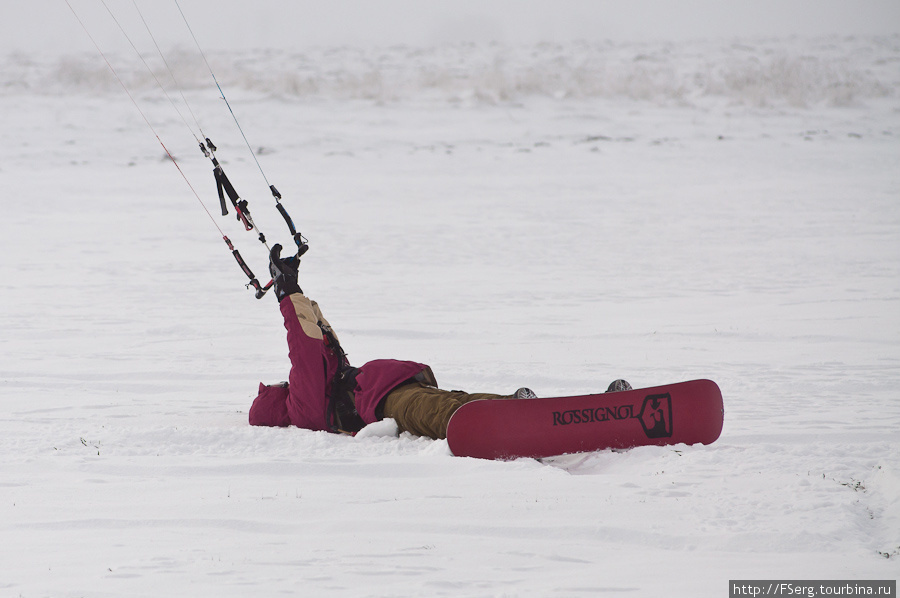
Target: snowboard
{"points": [[686, 412]]}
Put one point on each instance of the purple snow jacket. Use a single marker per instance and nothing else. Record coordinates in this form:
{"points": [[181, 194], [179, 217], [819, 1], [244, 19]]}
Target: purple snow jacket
{"points": [[303, 401]]}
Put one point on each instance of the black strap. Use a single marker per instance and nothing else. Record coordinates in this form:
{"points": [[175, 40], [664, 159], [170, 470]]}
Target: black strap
{"points": [[223, 187], [342, 416], [221, 181]]}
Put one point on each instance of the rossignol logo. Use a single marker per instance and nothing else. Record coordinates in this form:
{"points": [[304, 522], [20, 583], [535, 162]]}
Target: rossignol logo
{"points": [[655, 415], [590, 416]]}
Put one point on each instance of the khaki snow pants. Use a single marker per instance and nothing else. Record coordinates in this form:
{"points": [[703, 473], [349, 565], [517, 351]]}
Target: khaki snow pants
{"points": [[425, 410]]}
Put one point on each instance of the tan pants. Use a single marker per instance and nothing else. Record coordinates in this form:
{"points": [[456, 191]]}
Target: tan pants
{"points": [[425, 410]]}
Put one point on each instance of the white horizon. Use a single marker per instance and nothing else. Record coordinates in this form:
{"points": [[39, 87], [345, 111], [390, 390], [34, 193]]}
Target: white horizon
{"points": [[48, 26]]}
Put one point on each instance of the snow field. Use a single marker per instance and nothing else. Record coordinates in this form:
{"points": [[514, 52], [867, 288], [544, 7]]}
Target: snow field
{"points": [[550, 240]]}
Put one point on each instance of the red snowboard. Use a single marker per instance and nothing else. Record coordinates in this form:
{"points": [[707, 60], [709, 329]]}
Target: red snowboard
{"points": [[686, 412]]}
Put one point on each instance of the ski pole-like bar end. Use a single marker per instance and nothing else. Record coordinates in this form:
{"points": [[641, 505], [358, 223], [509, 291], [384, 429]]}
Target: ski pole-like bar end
{"points": [[260, 290]]}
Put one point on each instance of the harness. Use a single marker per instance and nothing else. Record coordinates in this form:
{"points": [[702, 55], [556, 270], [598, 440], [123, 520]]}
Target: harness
{"points": [[341, 415], [241, 207]]}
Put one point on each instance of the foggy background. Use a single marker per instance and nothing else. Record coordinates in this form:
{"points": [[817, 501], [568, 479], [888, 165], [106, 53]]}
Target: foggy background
{"points": [[48, 26]]}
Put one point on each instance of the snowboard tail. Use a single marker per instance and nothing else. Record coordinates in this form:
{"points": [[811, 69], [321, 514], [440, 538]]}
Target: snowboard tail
{"points": [[686, 412]]}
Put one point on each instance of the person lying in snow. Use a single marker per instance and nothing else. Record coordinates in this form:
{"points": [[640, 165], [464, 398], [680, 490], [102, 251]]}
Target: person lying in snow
{"points": [[324, 392]]}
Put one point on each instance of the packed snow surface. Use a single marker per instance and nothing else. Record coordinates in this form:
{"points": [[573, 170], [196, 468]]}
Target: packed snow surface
{"points": [[552, 216]]}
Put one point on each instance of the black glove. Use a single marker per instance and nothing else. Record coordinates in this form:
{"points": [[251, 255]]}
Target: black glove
{"points": [[284, 273]]}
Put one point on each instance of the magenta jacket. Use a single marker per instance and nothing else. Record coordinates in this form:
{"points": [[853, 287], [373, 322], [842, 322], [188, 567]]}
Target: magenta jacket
{"points": [[303, 401]]}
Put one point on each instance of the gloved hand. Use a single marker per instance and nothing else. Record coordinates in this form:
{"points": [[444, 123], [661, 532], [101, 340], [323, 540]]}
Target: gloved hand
{"points": [[284, 273]]}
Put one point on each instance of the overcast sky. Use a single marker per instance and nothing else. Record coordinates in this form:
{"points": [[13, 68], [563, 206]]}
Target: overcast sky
{"points": [[48, 25]]}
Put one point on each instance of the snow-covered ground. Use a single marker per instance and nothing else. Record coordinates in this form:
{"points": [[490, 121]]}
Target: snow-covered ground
{"points": [[547, 215]]}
